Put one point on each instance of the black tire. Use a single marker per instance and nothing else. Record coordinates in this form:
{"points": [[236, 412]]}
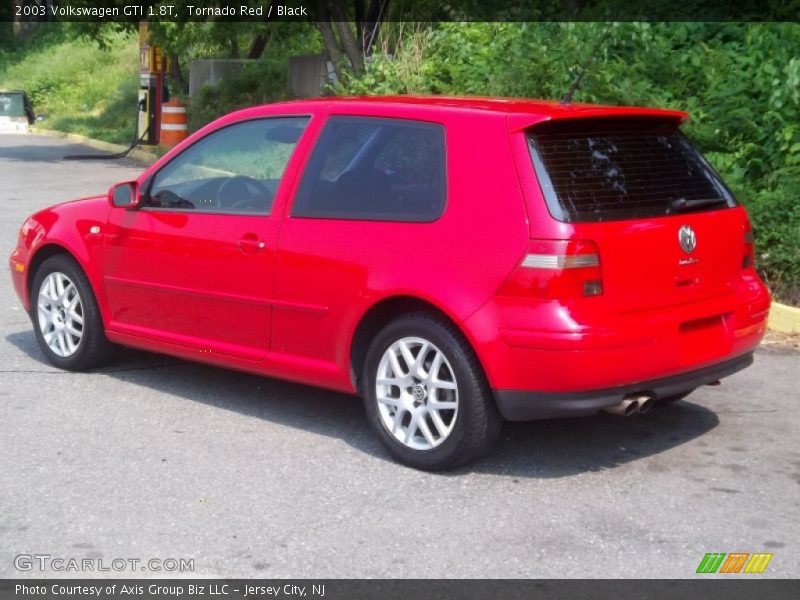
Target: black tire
{"points": [[673, 399], [477, 422], [93, 349]]}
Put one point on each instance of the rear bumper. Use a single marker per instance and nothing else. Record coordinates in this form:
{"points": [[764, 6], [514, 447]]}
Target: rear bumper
{"points": [[571, 348], [516, 405]]}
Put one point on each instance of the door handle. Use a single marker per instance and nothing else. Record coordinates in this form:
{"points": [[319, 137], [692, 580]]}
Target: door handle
{"points": [[250, 245]]}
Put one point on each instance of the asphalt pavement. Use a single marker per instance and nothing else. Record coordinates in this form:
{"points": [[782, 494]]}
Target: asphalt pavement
{"points": [[157, 458]]}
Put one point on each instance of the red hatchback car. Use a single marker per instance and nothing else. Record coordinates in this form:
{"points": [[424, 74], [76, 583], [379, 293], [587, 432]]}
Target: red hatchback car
{"points": [[454, 261]]}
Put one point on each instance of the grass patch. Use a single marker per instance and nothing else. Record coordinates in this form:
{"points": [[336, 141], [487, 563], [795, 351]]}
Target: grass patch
{"points": [[79, 87]]}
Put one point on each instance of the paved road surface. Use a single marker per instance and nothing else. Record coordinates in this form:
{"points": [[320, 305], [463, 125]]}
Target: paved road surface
{"points": [[159, 458]]}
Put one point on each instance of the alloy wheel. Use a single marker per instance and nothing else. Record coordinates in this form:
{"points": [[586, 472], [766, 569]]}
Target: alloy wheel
{"points": [[417, 393], [60, 313]]}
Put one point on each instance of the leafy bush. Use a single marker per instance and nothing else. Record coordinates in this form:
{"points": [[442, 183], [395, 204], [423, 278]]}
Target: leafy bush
{"points": [[739, 81]]}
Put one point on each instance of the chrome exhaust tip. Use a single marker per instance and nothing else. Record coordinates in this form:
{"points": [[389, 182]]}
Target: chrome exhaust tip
{"points": [[632, 405], [645, 403], [626, 408]]}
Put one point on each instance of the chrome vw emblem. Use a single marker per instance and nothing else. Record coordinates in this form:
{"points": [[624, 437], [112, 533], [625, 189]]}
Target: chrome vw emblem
{"points": [[419, 393], [687, 239]]}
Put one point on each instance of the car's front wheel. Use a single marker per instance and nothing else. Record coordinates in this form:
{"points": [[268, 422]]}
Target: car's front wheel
{"points": [[426, 395], [66, 317]]}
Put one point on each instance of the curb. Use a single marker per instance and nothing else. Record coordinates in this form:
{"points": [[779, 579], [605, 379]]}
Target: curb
{"points": [[783, 318], [139, 155]]}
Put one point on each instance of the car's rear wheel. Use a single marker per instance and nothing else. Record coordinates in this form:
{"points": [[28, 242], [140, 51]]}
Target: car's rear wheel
{"points": [[65, 316], [426, 395]]}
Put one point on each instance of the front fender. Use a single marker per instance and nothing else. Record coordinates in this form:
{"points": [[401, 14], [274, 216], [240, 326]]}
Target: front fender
{"points": [[76, 228]]}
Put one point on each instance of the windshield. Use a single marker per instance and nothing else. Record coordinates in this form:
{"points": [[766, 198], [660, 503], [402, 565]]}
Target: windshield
{"points": [[614, 169]]}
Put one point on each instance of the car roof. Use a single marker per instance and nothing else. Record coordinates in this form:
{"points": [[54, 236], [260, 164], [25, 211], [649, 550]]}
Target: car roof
{"points": [[522, 111]]}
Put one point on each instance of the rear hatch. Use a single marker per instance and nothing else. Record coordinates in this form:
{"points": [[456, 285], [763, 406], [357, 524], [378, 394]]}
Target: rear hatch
{"points": [[664, 224]]}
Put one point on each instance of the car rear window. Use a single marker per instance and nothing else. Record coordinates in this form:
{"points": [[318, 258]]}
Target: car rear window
{"points": [[616, 169]]}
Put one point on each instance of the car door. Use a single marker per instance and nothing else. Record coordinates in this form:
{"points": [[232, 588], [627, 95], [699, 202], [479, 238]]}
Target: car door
{"points": [[358, 223], [194, 265]]}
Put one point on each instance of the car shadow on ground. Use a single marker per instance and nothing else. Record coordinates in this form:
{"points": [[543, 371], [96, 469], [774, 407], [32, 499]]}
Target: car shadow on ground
{"points": [[40, 154], [538, 449], [33, 153]]}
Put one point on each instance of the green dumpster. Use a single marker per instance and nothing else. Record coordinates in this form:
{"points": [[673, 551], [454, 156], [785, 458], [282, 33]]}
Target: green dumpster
{"points": [[16, 112]]}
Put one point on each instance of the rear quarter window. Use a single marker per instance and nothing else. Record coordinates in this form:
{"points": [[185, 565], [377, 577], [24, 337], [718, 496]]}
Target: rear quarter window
{"points": [[365, 168], [616, 169]]}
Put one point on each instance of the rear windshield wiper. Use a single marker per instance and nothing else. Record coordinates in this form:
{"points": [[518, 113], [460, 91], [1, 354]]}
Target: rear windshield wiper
{"points": [[683, 205]]}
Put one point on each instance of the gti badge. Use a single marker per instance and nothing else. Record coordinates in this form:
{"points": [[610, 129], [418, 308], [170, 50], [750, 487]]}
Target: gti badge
{"points": [[687, 239]]}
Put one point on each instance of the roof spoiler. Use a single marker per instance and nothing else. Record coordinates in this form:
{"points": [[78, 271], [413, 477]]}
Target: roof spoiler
{"points": [[519, 121]]}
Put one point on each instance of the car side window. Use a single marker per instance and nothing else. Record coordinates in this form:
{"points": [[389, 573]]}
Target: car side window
{"points": [[235, 170], [366, 168]]}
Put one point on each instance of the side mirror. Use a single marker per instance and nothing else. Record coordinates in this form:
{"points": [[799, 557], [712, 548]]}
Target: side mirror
{"points": [[124, 195]]}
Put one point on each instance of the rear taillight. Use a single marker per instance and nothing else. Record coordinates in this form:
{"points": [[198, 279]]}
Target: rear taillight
{"points": [[749, 247], [557, 269]]}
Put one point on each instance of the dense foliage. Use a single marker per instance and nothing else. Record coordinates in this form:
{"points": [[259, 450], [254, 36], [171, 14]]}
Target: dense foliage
{"points": [[740, 82]]}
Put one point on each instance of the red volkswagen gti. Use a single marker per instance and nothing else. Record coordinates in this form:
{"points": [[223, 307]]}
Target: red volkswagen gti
{"points": [[455, 261]]}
